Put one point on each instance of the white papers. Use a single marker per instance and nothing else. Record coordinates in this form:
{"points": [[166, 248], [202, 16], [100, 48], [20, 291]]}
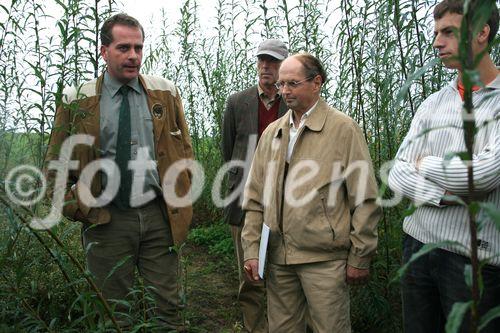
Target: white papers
{"points": [[264, 239]]}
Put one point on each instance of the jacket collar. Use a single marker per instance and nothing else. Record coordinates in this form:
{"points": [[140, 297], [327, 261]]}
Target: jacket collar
{"points": [[135, 85], [315, 121], [250, 107]]}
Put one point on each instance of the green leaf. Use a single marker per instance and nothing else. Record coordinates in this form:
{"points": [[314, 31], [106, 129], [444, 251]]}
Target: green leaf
{"points": [[463, 155], [472, 77], [468, 275], [492, 212], [489, 316], [410, 210], [474, 207], [481, 14], [406, 86], [118, 265], [456, 316], [423, 251], [454, 198]]}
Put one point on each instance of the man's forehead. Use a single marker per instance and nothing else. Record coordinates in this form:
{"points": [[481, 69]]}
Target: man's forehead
{"points": [[121, 30], [291, 65], [448, 20]]}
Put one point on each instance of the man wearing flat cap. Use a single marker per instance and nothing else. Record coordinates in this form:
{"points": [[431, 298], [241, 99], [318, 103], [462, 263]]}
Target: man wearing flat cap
{"points": [[247, 114]]}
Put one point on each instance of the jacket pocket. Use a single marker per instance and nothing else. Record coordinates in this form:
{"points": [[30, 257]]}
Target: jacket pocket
{"points": [[316, 233], [178, 141], [325, 213]]}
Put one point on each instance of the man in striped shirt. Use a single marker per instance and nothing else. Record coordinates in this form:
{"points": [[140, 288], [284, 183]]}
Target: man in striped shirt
{"points": [[424, 173]]}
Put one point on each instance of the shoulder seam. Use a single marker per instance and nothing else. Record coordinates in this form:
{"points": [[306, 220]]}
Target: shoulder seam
{"points": [[85, 90], [159, 83]]}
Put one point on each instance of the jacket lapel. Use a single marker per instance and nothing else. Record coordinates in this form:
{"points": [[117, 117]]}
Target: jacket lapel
{"points": [[251, 109]]}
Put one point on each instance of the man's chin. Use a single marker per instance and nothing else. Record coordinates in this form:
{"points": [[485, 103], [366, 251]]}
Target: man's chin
{"points": [[451, 64], [129, 76], [267, 81]]}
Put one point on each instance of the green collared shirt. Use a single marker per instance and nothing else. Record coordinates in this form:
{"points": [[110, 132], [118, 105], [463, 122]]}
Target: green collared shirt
{"points": [[141, 127]]}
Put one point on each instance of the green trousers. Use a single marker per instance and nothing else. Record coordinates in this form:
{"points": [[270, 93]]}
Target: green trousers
{"points": [[136, 237]]}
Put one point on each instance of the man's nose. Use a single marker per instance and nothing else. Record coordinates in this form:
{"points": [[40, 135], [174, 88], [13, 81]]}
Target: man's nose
{"points": [[132, 54], [437, 44]]}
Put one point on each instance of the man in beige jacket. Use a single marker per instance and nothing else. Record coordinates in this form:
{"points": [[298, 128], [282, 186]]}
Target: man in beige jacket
{"points": [[312, 184]]}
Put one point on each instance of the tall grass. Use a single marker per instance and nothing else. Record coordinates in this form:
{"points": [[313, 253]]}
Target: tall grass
{"points": [[370, 49]]}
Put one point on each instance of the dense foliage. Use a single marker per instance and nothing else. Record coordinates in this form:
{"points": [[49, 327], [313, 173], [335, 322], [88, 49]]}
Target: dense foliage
{"points": [[371, 50]]}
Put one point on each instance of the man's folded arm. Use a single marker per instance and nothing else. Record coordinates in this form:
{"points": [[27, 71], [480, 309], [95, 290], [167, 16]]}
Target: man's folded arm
{"points": [[452, 174]]}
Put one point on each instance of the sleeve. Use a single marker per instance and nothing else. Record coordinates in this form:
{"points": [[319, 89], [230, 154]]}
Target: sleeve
{"points": [[61, 130], [404, 177], [228, 130], [74, 206], [452, 174], [253, 205], [362, 193]]}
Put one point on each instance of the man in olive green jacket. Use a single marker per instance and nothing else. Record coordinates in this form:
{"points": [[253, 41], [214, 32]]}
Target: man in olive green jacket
{"points": [[312, 183], [131, 115]]}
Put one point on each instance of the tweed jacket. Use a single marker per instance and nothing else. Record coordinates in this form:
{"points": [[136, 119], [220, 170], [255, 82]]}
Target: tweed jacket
{"points": [[328, 214], [80, 114], [239, 124]]}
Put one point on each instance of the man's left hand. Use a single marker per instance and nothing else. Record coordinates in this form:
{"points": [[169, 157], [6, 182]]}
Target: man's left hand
{"points": [[356, 276]]}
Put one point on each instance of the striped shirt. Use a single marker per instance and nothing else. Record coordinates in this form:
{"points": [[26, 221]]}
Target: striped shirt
{"points": [[435, 134]]}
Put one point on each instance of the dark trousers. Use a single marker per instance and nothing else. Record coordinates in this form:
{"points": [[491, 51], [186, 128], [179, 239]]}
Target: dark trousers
{"points": [[434, 282], [136, 237]]}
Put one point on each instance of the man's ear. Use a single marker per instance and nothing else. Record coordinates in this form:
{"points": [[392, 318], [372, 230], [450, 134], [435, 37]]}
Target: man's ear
{"points": [[318, 82], [104, 51], [483, 34]]}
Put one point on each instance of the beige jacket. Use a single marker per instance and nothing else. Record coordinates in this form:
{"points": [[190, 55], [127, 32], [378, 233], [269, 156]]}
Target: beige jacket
{"points": [[338, 216]]}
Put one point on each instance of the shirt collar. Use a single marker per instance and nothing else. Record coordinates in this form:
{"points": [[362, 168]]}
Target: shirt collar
{"points": [[261, 92], [495, 84], [113, 85], [304, 116]]}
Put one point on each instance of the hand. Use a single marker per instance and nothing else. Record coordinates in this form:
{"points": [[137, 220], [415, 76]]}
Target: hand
{"points": [[251, 267], [356, 276], [95, 216]]}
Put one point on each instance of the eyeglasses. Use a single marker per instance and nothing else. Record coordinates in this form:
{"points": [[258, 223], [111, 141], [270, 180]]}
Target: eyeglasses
{"points": [[290, 84]]}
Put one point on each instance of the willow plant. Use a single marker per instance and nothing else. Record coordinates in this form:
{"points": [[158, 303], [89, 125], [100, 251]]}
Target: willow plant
{"points": [[371, 49]]}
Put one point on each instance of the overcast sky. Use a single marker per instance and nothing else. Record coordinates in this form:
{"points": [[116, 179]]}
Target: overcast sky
{"points": [[149, 11]]}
